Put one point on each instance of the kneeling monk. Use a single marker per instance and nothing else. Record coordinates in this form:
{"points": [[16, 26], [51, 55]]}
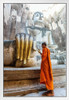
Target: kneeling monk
{"points": [[46, 76]]}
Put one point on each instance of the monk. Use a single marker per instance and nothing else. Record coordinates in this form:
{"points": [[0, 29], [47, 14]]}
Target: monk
{"points": [[46, 76]]}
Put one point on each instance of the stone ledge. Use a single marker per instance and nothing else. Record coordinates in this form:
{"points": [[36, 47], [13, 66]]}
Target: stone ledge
{"points": [[11, 74]]}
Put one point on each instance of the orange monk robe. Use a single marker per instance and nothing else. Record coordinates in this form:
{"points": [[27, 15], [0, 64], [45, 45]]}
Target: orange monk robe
{"points": [[46, 76]]}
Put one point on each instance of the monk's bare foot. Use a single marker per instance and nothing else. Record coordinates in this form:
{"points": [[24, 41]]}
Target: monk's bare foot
{"points": [[50, 93]]}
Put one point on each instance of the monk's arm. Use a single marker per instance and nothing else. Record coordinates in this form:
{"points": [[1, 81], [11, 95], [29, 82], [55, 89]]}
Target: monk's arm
{"points": [[39, 52]]}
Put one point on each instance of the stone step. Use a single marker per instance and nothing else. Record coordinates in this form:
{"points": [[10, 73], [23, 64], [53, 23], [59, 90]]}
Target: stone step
{"points": [[29, 89], [11, 74], [28, 82], [23, 90]]}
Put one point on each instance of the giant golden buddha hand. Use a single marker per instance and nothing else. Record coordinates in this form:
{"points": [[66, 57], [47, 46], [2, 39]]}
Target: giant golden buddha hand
{"points": [[19, 52]]}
